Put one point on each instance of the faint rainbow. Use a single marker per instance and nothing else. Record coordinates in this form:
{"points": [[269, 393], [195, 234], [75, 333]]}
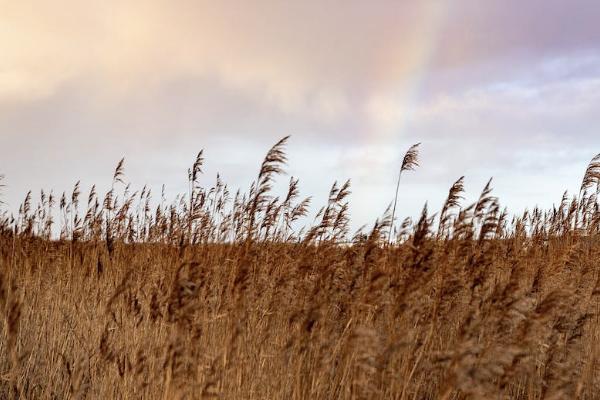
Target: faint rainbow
{"points": [[401, 98]]}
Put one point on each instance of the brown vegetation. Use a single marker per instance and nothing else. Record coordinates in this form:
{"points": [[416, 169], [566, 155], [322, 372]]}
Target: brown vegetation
{"points": [[220, 297]]}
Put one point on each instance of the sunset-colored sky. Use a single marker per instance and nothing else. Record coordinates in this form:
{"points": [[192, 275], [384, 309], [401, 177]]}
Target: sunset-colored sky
{"points": [[502, 88]]}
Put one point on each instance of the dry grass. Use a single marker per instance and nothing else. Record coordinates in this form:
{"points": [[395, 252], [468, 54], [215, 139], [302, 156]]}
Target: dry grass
{"points": [[219, 297]]}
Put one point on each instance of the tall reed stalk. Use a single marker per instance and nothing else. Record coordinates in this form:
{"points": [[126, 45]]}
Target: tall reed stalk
{"points": [[409, 163]]}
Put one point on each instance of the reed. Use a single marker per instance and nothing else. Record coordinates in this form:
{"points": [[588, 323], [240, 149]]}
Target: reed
{"points": [[222, 295]]}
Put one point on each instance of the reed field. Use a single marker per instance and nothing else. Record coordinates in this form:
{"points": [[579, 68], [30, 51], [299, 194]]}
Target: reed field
{"points": [[223, 294]]}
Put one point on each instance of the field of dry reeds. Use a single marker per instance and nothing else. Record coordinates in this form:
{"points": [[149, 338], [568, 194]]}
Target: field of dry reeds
{"points": [[220, 295]]}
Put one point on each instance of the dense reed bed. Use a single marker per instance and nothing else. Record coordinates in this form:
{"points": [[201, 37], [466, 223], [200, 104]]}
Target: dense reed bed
{"points": [[223, 296]]}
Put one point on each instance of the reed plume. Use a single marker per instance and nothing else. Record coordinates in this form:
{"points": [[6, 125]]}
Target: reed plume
{"points": [[409, 163]]}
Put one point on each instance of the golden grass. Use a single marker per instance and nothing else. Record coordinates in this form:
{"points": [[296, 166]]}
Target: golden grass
{"points": [[213, 297]]}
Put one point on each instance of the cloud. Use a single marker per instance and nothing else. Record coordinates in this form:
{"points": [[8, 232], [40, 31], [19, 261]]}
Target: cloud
{"points": [[489, 31], [312, 57], [303, 57]]}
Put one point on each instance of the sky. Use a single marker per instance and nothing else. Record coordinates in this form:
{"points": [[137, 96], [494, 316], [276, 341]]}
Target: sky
{"points": [[508, 89]]}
